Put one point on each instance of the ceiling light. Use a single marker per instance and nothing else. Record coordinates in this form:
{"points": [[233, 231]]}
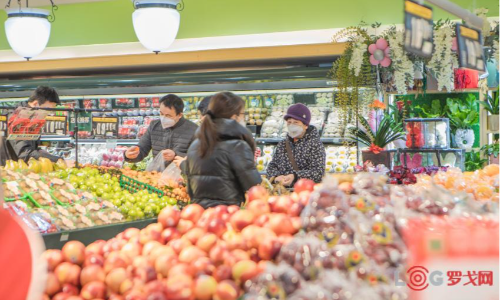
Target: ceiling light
{"points": [[156, 23]]}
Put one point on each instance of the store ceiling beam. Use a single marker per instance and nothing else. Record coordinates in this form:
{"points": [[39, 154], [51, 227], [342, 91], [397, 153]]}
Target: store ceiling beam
{"points": [[165, 61], [454, 9]]}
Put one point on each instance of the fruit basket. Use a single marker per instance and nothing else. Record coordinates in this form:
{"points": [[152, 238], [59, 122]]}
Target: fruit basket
{"points": [[133, 186]]}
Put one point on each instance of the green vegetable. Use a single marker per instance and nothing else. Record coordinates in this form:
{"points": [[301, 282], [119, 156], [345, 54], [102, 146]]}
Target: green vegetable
{"points": [[462, 113], [491, 104], [491, 149], [473, 161], [433, 111]]}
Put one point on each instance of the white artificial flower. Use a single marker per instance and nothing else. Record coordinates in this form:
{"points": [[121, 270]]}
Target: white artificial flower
{"points": [[443, 60], [358, 52], [403, 66]]}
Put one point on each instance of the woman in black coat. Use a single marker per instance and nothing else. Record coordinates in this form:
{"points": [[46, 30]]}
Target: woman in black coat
{"points": [[220, 165]]}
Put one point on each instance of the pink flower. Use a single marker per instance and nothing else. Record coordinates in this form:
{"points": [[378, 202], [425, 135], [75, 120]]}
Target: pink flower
{"points": [[380, 53]]}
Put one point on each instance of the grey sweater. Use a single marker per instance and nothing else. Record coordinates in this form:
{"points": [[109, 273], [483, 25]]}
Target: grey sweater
{"points": [[177, 138]]}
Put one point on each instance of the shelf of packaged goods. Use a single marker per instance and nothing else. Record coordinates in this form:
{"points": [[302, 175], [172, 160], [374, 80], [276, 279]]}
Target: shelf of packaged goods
{"points": [[88, 235], [333, 141]]}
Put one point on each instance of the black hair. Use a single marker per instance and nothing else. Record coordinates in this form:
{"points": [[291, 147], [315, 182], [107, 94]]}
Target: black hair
{"points": [[173, 101], [203, 105], [44, 94]]}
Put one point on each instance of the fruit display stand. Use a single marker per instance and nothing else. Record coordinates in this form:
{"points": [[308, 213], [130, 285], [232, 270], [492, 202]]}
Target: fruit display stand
{"points": [[89, 235]]}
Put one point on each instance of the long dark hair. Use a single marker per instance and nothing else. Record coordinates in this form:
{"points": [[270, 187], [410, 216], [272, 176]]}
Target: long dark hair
{"points": [[222, 106]]}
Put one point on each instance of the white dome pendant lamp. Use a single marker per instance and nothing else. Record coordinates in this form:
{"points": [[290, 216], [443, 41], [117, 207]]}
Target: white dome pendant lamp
{"points": [[28, 29], [156, 23]]}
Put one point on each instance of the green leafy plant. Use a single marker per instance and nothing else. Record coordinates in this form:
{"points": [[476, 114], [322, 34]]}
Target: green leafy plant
{"points": [[462, 112], [473, 161], [491, 104], [435, 110], [491, 149], [387, 132]]}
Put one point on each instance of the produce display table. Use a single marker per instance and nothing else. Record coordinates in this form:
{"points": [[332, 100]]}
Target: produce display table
{"points": [[88, 235]]}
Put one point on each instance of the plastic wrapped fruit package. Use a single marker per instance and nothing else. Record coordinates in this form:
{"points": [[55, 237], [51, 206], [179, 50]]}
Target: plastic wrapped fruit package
{"points": [[82, 221], [43, 198], [340, 285], [271, 128], [311, 291], [276, 282], [373, 184], [430, 200], [43, 224], [64, 223], [307, 255]]}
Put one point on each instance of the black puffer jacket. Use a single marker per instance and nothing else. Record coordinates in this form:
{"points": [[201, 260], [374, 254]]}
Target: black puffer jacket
{"points": [[227, 173], [178, 138]]}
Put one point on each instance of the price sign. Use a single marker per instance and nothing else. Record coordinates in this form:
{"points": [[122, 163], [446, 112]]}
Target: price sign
{"points": [[145, 102], [105, 127], [418, 29], [125, 103], [55, 125], [84, 121], [470, 48], [3, 125]]}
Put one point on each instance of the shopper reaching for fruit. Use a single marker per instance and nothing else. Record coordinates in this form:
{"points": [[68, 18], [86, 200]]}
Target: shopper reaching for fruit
{"points": [[220, 164], [168, 137], [301, 154]]}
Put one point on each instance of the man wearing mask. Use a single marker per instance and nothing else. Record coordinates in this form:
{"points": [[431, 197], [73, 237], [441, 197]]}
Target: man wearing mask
{"points": [[171, 135], [301, 154], [42, 97]]}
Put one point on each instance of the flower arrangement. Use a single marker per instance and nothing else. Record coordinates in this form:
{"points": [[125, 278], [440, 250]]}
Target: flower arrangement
{"points": [[403, 66], [385, 133], [444, 60]]}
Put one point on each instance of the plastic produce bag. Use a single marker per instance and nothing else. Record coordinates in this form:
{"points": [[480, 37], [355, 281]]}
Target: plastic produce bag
{"points": [[171, 175], [157, 164]]}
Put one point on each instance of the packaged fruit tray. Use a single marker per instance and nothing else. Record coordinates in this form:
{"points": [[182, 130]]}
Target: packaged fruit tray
{"points": [[133, 186]]}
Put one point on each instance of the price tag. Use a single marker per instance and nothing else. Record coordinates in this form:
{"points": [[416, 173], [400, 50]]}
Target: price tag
{"points": [[84, 121], [418, 29], [125, 103], [64, 237], [55, 125], [3, 124], [470, 48], [105, 127]]}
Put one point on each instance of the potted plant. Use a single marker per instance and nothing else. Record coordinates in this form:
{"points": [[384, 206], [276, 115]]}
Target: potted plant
{"points": [[492, 105], [491, 151], [377, 139], [473, 161], [463, 115]]}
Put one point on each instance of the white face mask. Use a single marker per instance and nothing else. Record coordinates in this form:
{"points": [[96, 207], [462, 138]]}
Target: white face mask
{"points": [[295, 131], [166, 122]]}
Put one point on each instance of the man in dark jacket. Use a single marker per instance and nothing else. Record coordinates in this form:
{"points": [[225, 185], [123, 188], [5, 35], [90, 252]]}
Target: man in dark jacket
{"points": [[43, 97], [172, 134]]}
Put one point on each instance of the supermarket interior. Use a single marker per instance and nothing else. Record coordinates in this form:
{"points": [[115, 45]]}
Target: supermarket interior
{"points": [[249, 150]]}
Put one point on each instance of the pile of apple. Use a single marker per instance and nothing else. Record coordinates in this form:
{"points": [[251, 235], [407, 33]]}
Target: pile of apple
{"points": [[189, 254]]}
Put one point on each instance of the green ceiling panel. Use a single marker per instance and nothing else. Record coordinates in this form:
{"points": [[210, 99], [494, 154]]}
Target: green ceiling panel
{"points": [[111, 21]]}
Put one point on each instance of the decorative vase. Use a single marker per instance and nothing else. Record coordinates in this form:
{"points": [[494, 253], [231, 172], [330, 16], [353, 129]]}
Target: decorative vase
{"points": [[464, 138], [382, 158], [493, 122]]}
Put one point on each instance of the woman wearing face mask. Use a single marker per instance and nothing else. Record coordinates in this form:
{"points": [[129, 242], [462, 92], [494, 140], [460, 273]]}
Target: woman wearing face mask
{"points": [[220, 164], [301, 154]]}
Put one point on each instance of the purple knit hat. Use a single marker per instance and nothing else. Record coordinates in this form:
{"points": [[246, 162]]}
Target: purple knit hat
{"points": [[299, 112]]}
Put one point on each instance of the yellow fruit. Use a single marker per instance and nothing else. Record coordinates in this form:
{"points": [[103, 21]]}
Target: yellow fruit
{"points": [[22, 165], [46, 165], [34, 166], [61, 165]]}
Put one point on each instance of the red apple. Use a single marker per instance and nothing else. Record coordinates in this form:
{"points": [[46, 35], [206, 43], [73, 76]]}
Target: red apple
{"points": [[179, 245], [145, 274], [130, 232], [150, 246], [140, 262], [303, 185], [180, 287], [169, 234], [257, 192], [281, 205], [244, 270], [192, 212], [217, 253], [269, 248], [52, 285], [304, 197], [227, 290], [194, 234], [285, 238], [95, 248], [181, 268], [158, 251], [222, 273], [241, 219], [231, 209], [92, 273], [184, 226], [203, 265], [281, 224], [45, 297], [74, 252], [53, 258], [131, 250], [156, 296], [296, 223], [114, 296], [295, 209], [155, 286], [93, 290], [151, 233], [262, 220], [206, 242], [70, 289], [115, 278], [68, 273], [115, 260], [135, 294], [240, 254], [221, 210], [205, 287], [169, 217], [208, 215], [190, 254], [61, 296], [126, 286], [217, 226], [93, 259], [164, 263], [258, 207], [76, 298]]}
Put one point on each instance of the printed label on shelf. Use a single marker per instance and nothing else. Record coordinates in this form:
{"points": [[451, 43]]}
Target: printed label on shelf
{"points": [[419, 36], [3, 125], [105, 127], [84, 121], [470, 48], [55, 125], [64, 237]]}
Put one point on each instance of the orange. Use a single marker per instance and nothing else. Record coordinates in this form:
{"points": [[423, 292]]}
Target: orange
{"points": [[491, 170]]}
